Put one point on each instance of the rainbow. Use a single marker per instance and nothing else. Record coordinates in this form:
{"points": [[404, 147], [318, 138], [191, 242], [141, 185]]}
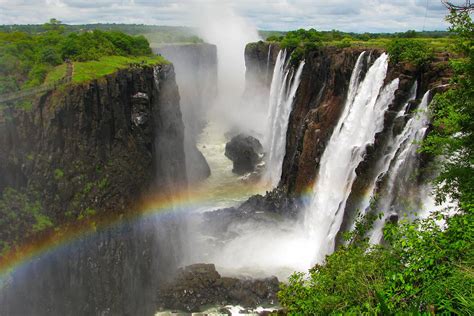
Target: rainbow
{"points": [[152, 205]]}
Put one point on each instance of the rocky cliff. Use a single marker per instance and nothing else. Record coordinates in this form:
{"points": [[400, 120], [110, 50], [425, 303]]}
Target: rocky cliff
{"points": [[320, 98], [85, 149], [96, 147], [260, 60]]}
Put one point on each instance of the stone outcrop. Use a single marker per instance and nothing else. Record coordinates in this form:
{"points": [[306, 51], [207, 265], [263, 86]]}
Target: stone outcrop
{"points": [[246, 153], [200, 285]]}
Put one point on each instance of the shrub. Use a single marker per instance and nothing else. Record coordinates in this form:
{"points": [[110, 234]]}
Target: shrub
{"points": [[410, 50], [423, 268], [58, 174]]}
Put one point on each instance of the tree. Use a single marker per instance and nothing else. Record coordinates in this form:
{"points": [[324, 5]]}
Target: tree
{"points": [[54, 25], [453, 135]]}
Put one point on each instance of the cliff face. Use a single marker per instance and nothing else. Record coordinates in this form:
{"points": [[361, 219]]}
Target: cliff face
{"points": [[98, 145], [85, 149], [260, 60], [196, 75], [320, 99]]}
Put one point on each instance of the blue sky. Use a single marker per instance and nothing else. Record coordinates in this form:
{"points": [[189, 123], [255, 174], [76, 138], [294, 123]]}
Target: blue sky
{"points": [[345, 15]]}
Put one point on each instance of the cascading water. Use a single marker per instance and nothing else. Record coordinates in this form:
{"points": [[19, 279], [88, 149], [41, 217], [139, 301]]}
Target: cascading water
{"points": [[268, 62], [402, 164], [362, 118], [285, 83], [382, 166]]}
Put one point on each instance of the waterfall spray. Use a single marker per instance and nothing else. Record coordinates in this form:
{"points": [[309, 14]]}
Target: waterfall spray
{"points": [[362, 118], [285, 83]]}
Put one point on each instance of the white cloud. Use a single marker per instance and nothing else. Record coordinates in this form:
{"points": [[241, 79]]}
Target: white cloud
{"points": [[353, 15]]}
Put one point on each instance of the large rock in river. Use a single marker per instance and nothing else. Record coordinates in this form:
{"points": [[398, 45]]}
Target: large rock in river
{"points": [[199, 285], [245, 151]]}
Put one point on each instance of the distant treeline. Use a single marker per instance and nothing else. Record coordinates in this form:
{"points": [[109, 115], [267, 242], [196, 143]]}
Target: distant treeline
{"points": [[132, 29], [335, 34], [338, 35], [412, 46], [154, 33]]}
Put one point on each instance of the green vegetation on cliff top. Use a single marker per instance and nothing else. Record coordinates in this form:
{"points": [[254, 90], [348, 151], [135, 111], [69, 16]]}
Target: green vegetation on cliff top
{"points": [[30, 60], [417, 47]]}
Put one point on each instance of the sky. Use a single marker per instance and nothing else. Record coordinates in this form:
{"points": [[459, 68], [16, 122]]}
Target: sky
{"points": [[344, 15]]}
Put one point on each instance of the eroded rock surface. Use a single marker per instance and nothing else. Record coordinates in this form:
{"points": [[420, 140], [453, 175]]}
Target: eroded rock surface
{"points": [[200, 285]]}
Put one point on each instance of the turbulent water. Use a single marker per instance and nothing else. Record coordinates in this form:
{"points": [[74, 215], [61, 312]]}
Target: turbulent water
{"points": [[362, 118], [223, 188], [285, 83]]}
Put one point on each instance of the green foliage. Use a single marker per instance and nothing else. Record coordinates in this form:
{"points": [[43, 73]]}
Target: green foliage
{"points": [[299, 42], [434, 40], [96, 44], [26, 59], [21, 216], [410, 50], [351, 281], [86, 213], [58, 174], [345, 42], [417, 271], [300, 38], [454, 121]]}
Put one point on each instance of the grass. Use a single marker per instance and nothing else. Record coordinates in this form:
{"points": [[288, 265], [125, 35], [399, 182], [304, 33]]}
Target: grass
{"points": [[89, 70], [56, 74]]}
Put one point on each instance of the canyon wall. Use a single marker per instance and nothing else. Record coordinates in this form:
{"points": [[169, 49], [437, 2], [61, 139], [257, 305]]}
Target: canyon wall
{"points": [[83, 150], [320, 99], [99, 144]]}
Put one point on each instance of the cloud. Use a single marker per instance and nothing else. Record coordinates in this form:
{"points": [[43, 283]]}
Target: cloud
{"points": [[354, 15]]}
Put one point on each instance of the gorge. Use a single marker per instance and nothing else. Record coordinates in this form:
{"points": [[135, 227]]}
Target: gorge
{"points": [[339, 127]]}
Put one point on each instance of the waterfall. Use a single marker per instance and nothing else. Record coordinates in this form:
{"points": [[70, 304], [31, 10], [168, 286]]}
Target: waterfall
{"points": [[267, 74], [402, 165], [285, 83], [363, 117], [383, 164]]}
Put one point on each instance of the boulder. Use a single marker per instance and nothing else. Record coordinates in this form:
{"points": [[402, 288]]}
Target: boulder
{"points": [[246, 153], [198, 286]]}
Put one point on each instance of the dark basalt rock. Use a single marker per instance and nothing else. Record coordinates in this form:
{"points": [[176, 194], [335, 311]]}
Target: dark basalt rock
{"points": [[97, 132], [200, 285], [276, 201], [246, 153], [98, 145]]}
